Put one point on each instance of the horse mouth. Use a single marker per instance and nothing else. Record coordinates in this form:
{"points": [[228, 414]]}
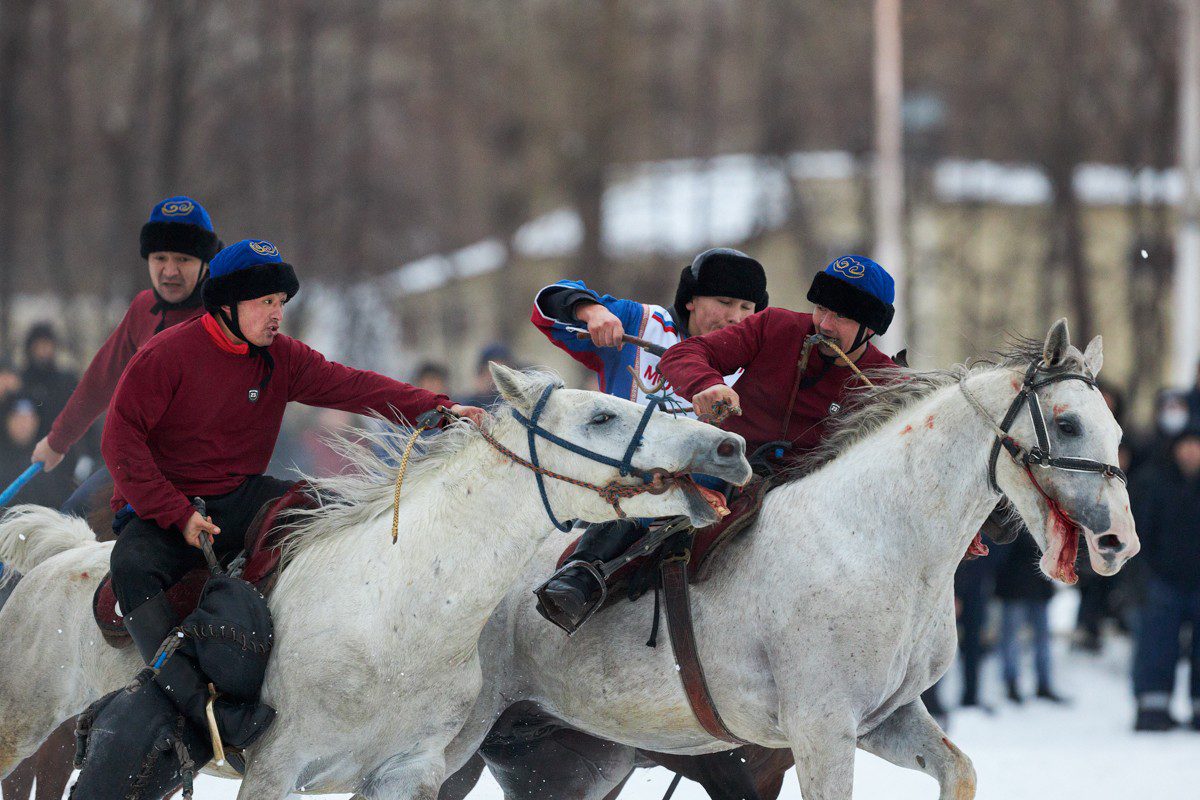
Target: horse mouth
{"points": [[1062, 540], [710, 504]]}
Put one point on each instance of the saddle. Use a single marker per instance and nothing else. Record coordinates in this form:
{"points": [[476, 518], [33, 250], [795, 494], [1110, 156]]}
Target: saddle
{"points": [[632, 578], [259, 565]]}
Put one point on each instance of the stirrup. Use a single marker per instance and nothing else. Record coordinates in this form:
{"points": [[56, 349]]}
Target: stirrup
{"points": [[554, 614]]}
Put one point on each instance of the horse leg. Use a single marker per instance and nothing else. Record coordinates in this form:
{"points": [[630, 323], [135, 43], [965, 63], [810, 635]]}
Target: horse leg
{"points": [[824, 751], [911, 738], [460, 784]]}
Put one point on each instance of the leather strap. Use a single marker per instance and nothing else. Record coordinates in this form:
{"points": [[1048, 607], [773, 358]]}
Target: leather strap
{"points": [[683, 643]]}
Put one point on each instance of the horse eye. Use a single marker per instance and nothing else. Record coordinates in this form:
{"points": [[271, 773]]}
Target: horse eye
{"points": [[1067, 427], [601, 418]]}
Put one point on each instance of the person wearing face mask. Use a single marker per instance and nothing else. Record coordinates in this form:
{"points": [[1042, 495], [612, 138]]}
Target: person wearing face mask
{"points": [[177, 243]]}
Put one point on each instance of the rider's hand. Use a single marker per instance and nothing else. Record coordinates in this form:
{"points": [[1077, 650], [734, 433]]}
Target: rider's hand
{"points": [[44, 453], [703, 402], [605, 329], [196, 524], [473, 413]]}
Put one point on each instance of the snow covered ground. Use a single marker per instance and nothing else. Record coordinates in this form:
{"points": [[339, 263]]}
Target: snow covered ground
{"points": [[1086, 751]]}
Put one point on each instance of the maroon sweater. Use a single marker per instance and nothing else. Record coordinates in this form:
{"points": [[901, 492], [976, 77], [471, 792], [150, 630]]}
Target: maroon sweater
{"points": [[95, 389], [767, 345], [189, 419]]}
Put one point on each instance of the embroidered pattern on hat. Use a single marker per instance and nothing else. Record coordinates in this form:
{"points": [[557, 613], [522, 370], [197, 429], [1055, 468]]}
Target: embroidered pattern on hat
{"points": [[850, 267], [264, 248], [177, 208]]}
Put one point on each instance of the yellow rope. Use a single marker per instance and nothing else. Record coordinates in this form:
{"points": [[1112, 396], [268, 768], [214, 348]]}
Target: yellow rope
{"points": [[412, 440], [833, 346]]}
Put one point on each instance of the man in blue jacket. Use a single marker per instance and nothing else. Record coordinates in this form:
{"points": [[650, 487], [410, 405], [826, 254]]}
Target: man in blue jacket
{"points": [[721, 287]]}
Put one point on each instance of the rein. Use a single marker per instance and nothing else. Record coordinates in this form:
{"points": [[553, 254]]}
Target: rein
{"points": [[654, 481], [1040, 454]]}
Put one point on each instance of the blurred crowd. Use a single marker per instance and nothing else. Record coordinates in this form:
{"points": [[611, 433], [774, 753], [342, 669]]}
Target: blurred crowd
{"points": [[1002, 600]]}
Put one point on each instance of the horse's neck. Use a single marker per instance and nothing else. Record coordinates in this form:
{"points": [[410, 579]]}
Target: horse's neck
{"points": [[464, 534], [917, 487]]}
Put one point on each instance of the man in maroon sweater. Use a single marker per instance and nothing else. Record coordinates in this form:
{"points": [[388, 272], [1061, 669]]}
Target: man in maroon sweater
{"points": [[197, 413], [779, 398], [177, 242]]}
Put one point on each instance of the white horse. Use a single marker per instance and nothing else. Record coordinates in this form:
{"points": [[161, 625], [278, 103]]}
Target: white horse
{"points": [[821, 625], [375, 662]]}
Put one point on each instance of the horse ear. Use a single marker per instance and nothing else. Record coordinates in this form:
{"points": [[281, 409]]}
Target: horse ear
{"points": [[1057, 342], [1093, 356], [517, 388]]}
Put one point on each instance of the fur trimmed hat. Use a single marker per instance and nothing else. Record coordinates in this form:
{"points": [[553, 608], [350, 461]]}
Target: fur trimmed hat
{"points": [[721, 272], [180, 225], [247, 270], [858, 288]]}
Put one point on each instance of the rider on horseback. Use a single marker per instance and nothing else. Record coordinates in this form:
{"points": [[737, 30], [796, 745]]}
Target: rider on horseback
{"points": [[177, 242], [781, 398], [197, 413], [720, 288]]}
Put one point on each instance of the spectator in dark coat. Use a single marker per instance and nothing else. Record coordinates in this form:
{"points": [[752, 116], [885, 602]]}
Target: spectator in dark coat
{"points": [[1024, 593], [974, 583], [18, 433], [43, 380], [1166, 505]]}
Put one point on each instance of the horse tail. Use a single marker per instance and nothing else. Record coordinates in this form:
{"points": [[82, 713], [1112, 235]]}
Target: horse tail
{"points": [[31, 534]]}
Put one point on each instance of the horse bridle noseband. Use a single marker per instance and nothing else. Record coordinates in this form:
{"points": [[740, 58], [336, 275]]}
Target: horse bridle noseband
{"points": [[1040, 454]]}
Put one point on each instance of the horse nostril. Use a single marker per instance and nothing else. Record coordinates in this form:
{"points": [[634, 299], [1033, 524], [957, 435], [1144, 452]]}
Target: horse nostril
{"points": [[1110, 541], [727, 448]]}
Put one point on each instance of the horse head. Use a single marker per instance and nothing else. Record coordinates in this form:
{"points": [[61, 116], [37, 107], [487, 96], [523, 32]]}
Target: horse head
{"points": [[592, 438], [1064, 484]]}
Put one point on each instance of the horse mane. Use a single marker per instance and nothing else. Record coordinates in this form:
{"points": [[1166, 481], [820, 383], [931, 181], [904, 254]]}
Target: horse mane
{"points": [[869, 408], [366, 489]]}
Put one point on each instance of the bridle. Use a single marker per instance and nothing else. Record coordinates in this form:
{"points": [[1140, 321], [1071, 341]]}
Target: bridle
{"points": [[654, 481], [1041, 454]]}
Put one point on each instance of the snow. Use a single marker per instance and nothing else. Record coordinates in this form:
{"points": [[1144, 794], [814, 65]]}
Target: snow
{"points": [[1086, 751]]}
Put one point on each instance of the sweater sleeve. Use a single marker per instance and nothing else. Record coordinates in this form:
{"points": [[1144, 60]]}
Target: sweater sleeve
{"points": [[699, 362], [95, 389], [552, 314], [316, 381], [142, 396]]}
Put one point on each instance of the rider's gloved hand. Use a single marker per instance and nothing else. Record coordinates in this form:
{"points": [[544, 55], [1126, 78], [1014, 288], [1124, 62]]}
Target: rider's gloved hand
{"points": [[605, 328], [196, 524]]}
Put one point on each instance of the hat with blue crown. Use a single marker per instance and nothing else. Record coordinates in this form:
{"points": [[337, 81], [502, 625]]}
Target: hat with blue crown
{"points": [[858, 288], [180, 225]]}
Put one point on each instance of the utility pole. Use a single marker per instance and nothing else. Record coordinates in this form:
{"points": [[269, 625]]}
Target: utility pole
{"points": [[1186, 294], [889, 164]]}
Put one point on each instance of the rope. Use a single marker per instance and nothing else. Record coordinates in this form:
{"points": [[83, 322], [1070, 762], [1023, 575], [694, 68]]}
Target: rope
{"points": [[412, 440], [854, 367]]}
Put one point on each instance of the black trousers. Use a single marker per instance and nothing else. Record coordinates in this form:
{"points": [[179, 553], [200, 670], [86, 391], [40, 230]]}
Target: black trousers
{"points": [[147, 559], [603, 541]]}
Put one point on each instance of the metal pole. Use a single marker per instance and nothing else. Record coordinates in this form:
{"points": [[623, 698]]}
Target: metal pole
{"points": [[889, 164], [1186, 294]]}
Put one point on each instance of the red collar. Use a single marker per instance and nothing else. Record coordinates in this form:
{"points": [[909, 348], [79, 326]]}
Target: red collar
{"points": [[222, 341]]}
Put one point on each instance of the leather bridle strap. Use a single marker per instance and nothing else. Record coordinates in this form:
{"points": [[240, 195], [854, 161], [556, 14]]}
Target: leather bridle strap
{"points": [[683, 644], [624, 465], [1040, 454]]}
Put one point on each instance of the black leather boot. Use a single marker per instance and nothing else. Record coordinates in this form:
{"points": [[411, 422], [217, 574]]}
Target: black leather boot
{"points": [[239, 722], [571, 594], [149, 624]]}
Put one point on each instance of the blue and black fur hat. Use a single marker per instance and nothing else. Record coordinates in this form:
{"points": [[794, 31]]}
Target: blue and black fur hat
{"points": [[247, 270], [858, 288], [180, 225]]}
